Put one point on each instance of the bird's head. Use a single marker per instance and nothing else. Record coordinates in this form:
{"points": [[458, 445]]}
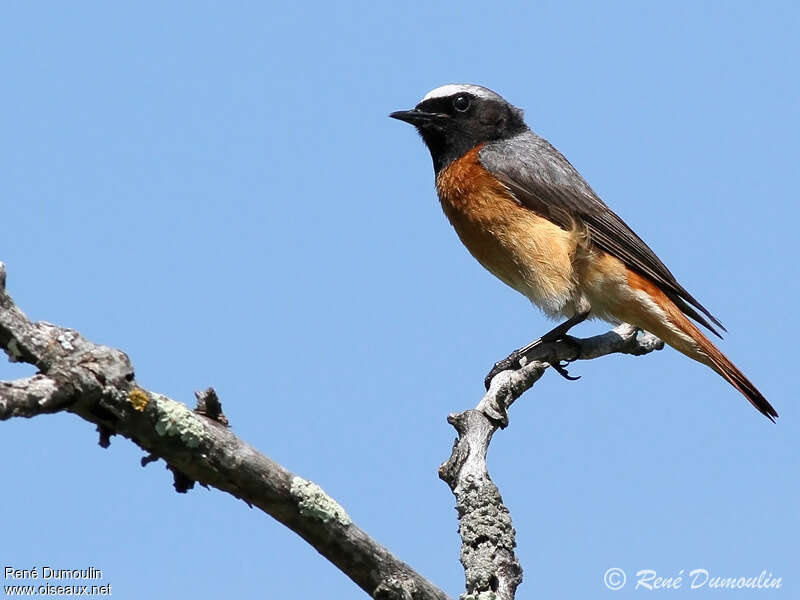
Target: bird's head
{"points": [[455, 118]]}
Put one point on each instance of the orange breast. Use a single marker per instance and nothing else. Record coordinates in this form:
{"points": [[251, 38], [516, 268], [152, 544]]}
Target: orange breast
{"points": [[526, 251]]}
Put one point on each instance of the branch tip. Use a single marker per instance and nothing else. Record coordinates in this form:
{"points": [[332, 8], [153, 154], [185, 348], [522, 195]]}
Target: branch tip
{"points": [[209, 406], [104, 436], [150, 458]]}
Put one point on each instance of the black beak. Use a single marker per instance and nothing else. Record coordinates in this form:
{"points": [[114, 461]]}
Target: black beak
{"points": [[416, 117]]}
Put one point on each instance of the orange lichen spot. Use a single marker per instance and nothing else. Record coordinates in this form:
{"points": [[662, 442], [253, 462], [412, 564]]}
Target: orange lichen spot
{"points": [[139, 399]]}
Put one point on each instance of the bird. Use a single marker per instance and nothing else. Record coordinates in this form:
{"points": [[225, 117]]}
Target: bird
{"points": [[529, 217]]}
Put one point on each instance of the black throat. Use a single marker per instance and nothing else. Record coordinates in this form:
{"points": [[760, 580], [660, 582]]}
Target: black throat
{"points": [[451, 137]]}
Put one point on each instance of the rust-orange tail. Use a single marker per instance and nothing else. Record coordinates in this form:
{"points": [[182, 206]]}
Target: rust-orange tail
{"points": [[710, 355], [683, 335]]}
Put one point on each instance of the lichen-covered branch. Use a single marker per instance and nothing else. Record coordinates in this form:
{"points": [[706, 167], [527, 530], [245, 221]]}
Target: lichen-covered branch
{"points": [[491, 567], [97, 383]]}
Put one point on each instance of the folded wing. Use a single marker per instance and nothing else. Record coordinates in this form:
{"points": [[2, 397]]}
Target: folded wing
{"points": [[541, 179]]}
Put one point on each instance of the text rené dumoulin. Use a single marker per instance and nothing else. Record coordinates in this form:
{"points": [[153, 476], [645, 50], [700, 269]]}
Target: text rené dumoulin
{"points": [[52, 573]]}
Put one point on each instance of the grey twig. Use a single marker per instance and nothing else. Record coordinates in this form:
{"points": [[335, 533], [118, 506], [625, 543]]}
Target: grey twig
{"points": [[490, 565], [97, 384]]}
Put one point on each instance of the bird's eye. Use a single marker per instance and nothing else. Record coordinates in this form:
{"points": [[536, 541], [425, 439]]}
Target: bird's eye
{"points": [[461, 103]]}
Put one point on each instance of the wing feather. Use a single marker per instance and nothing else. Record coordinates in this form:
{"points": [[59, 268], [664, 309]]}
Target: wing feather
{"points": [[541, 179]]}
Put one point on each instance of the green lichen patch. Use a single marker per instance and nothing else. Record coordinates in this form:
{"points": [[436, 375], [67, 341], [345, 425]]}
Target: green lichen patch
{"points": [[173, 418], [314, 502]]}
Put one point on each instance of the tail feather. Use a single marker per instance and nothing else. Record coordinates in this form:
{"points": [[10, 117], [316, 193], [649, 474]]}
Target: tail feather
{"points": [[680, 333], [722, 365]]}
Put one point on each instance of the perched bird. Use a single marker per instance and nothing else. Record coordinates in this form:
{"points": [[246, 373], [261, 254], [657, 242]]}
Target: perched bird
{"points": [[526, 214]]}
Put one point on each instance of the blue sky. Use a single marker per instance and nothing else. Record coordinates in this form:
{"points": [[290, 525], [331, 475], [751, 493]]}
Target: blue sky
{"points": [[217, 190]]}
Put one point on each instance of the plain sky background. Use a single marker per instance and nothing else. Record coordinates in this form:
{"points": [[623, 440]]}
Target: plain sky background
{"points": [[216, 189]]}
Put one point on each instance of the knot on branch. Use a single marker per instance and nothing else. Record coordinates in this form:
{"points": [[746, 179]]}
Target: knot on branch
{"points": [[468, 457], [209, 406], [394, 588], [180, 481]]}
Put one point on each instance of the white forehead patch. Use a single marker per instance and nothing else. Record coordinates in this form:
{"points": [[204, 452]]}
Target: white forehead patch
{"points": [[460, 88]]}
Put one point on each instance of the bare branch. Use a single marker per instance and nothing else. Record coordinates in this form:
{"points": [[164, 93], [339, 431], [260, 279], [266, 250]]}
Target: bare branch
{"points": [[487, 535], [97, 384]]}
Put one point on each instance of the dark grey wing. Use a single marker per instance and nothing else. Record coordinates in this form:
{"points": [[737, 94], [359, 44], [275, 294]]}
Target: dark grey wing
{"points": [[541, 179]]}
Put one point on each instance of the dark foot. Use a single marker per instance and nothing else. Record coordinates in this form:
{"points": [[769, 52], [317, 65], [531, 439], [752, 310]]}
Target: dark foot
{"points": [[561, 368], [509, 362], [555, 335], [561, 365]]}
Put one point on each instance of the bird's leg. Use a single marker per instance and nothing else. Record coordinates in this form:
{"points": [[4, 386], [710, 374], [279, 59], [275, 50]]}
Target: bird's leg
{"points": [[554, 335]]}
